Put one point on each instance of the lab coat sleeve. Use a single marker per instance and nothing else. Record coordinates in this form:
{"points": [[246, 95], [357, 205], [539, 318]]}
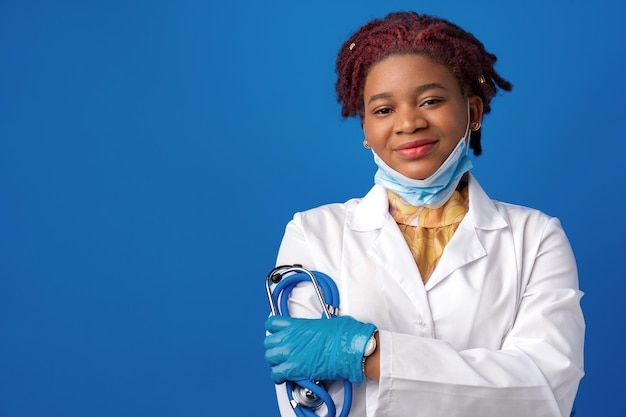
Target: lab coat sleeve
{"points": [[294, 250], [303, 301], [535, 372]]}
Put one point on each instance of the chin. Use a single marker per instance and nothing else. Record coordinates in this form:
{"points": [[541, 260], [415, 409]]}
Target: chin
{"points": [[417, 174]]}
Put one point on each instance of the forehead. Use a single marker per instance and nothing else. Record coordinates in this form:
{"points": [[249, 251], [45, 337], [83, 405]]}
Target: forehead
{"points": [[409, 70]]}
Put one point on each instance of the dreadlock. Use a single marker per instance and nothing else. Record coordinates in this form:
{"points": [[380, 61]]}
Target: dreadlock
{"points": [[410, 33]]}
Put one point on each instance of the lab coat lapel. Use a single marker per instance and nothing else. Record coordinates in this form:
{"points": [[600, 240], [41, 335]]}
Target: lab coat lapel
{"points": [[465, 246], [386, 246]]}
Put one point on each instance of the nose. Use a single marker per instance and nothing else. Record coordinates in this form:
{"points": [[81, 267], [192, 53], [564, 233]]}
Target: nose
{"points": [[409, 119]]}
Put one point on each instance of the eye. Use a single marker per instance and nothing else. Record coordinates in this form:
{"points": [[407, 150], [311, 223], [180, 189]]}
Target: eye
{"points": [[383, 110], [431, 102]]}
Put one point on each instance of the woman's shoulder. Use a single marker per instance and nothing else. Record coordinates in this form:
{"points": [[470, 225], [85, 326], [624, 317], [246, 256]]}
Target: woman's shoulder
{"points": [[531, 224], [333, 208], [521, 212], [515, 215], [375, 200], [337, 209]]}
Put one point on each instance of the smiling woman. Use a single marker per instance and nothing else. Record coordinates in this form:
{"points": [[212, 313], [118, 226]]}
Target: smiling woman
{"points": [[416, 114], [452, 304]]}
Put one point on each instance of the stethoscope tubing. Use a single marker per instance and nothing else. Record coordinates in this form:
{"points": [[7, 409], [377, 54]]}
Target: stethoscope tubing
{"points": [[284, 279], [330, 294]]}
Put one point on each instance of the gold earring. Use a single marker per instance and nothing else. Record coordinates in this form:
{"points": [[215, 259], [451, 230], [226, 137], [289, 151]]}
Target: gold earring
{"points": [[366, 145], [475, 126]]}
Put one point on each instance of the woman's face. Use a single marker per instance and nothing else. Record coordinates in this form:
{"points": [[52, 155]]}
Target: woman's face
{"points": [[415, 113]]}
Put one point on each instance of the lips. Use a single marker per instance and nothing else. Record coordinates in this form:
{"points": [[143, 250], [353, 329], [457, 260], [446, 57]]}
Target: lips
{"points": [[415, 149]]}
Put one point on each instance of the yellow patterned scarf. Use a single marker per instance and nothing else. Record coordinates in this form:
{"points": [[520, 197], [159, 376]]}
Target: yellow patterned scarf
{"points": [[427, 231]]}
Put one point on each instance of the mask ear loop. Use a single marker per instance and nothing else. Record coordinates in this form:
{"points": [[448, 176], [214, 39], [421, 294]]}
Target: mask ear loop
{"points": [[467, 129]]}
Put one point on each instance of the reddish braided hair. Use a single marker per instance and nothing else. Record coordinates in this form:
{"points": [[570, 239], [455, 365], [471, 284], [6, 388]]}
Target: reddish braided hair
{"points": [[410, 33]]}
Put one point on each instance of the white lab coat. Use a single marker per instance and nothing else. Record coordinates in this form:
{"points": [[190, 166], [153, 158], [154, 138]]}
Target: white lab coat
{"points": [[496, 331]]}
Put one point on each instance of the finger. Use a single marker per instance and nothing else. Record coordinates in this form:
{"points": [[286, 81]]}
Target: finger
{"points": [[277, 323], [278, 378], [286, 371], [274, 356], [274, 339]]}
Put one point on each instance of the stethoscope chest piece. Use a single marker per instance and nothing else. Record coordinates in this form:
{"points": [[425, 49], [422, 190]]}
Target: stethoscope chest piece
{"points": [[306, 397]]}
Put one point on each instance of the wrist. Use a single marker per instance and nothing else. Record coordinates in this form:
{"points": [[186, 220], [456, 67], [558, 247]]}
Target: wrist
{"points": [[370, 348]]}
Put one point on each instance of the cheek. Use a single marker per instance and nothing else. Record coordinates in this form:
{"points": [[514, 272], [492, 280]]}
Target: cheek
{"points": [[370, 130], [371, 137], [366, 132]]}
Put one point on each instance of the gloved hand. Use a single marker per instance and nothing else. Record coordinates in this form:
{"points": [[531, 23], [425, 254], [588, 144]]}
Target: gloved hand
{"points": [[316, 349]]}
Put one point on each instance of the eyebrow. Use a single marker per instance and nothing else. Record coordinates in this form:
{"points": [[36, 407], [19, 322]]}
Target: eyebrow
{"points": [[418, 90]]}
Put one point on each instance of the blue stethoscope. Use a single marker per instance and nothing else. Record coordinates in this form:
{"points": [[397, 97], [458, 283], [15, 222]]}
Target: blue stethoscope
{"points": [[307, 396]]}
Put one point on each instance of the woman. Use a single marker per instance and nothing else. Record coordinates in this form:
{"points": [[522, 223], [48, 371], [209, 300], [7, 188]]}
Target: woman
{"points": [[451, 304]]}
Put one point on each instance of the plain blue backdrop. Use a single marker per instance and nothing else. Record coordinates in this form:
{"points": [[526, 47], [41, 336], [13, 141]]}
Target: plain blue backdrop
{"points": [[151, 153]]}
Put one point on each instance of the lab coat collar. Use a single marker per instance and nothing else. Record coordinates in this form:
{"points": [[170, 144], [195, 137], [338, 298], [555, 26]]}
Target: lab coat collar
{"points": [[482, 210], [372, 214], [373, 209]]}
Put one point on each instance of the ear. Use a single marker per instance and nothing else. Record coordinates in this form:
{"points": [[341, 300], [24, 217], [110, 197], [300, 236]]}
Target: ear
{"points": [[476, 109]]}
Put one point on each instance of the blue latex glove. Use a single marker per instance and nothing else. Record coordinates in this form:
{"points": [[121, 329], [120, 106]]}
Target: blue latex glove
{"points": [[316, 349]]}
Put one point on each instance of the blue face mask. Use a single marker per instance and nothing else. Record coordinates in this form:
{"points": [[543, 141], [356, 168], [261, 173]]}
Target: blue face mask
{"points": [[433, 191]]}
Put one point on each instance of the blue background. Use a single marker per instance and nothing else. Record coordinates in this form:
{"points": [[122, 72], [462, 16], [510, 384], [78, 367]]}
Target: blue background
{"points": [[151, 153]]}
